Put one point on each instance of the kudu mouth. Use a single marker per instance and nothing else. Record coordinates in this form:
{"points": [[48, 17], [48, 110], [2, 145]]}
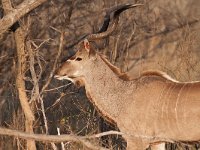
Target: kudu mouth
{"points": [[65, 77], [59, 77]]}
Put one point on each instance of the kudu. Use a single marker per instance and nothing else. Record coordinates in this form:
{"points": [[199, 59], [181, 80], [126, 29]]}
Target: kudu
{"points": [[148, 109]]}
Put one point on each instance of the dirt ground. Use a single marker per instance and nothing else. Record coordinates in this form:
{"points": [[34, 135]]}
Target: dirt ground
{"points": [[161, 35]]}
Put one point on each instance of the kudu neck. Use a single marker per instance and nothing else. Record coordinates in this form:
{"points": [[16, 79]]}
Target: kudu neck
{"points": [[105, 88]]}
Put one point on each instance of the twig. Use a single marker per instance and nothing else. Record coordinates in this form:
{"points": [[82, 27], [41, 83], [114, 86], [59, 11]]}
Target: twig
{"points": [[35, 91], [14, 15], [58, 87], [47, 83], [62, 144], [45, 121], [56, 102], [128, 45], [130, 135], [55, 63]]}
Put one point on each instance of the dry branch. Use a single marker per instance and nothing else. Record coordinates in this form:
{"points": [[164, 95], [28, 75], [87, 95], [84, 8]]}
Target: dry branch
{"points": [[20, 41], [14, 15], [72, 138], [36, 91], [55, 62], [20, 84], [50, 138], [20, 45]]}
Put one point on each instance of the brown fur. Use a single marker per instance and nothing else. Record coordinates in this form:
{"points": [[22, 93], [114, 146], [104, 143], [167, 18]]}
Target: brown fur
{"points": [[110, 120]]}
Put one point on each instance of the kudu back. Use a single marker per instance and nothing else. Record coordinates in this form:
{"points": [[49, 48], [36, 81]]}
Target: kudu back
{"points": [[148, 109]]}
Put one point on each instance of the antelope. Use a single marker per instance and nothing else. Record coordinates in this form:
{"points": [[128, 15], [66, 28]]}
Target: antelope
{"points": [[148, 109]]}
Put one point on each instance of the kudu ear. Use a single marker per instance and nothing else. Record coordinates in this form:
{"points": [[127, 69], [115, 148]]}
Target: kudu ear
{"points": [[89, 48]]}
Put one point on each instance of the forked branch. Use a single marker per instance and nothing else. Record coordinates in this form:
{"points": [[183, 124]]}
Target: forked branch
{"points": [[7, 21]]}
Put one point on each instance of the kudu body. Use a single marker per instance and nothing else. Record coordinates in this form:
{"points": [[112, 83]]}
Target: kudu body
{"points": [[147, 109]]}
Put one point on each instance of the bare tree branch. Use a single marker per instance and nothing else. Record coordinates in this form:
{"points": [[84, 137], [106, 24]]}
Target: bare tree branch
{"points": [[73, 138], [50, 138], [20, 83], [35, 92], [14, 15], [55, 62]]}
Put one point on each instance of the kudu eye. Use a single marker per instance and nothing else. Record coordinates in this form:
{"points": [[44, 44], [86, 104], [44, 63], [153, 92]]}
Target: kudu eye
{"points": [[78, 59]]}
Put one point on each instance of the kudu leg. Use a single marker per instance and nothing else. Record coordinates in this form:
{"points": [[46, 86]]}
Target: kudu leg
{"points": [[137, 144], [160, 146]]}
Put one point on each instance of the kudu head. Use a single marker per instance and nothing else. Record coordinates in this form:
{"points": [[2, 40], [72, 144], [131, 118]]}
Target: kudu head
{"points": [[73, 68]]}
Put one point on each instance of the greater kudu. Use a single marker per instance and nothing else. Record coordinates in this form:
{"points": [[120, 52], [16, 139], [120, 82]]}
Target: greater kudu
{"points": [[149, 109]]}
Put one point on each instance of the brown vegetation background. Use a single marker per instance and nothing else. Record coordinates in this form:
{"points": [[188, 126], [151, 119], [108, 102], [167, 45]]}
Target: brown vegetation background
{"points": [[161, 35]]}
